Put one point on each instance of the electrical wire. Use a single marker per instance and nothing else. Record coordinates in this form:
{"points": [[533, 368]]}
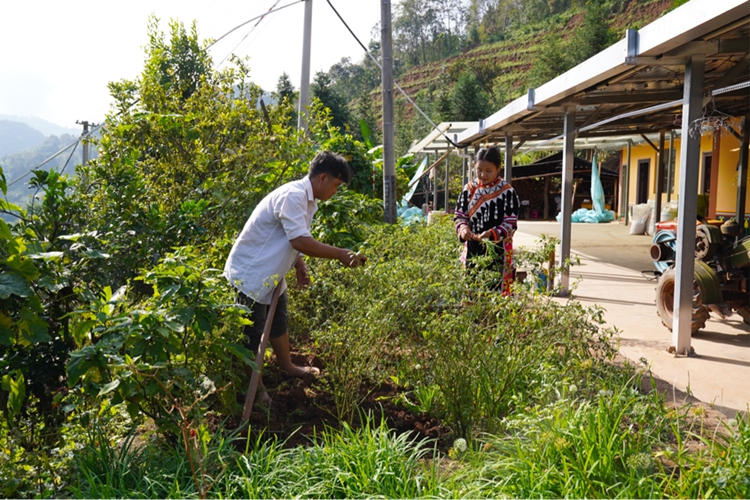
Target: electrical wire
{"points": [[377, 63], [73, 145], [70, 155], [251, 20], [248, 33]]}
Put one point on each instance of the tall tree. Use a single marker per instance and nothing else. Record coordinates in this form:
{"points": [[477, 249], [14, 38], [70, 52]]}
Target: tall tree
{"points": [[594, 34], [415, 27], [322, 88], [285, 89], [469, 101]]}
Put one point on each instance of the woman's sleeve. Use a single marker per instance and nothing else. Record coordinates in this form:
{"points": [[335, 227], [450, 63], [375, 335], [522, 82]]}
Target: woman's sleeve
{"points": [[460, 217], [509, 223]]}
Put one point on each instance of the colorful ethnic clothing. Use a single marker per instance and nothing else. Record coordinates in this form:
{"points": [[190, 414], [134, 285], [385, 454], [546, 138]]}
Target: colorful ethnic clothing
{"points": [[491, 207]]}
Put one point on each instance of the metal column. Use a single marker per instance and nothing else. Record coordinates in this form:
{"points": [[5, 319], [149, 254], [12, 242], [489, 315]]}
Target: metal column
{"points": [[670, 170], [659, 178], [508, 172], [304, 86], [742, 174], [389, 154], [566, 195], [626, 188], [690, 165], [434, 184], [447, 169]]}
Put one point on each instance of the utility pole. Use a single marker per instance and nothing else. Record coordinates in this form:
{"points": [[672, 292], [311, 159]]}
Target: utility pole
{"points": [[389, 155], [84, 142], [304, 86], [85, 146]]}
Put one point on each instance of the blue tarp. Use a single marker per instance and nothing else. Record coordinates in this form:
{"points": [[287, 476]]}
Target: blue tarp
{"points": [[598, 213]]}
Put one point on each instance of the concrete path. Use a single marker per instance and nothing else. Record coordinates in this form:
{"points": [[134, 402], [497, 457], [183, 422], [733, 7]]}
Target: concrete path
{"points": [[610, 276]]}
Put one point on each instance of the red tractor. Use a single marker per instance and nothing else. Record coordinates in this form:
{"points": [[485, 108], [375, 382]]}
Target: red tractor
{"points": [[722, 271]]}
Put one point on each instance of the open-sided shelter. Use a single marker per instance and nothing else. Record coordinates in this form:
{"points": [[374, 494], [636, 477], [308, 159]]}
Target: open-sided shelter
{"points": [[678, 71]]}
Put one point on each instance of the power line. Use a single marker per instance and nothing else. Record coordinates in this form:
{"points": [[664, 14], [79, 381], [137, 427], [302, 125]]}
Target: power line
{"points": [[75, 143], [377, 63], [251, 20], [248, 33]]}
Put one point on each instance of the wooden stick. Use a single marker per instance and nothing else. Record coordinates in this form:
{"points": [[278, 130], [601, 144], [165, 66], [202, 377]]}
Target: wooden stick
{"points": [[255, 378], [427, 171]]}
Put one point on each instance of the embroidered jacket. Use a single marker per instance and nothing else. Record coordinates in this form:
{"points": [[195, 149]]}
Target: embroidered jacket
{"points": [[487, 207]]}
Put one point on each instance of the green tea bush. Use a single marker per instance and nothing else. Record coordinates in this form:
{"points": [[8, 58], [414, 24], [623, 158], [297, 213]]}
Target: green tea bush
{"points": [[413, 315]]}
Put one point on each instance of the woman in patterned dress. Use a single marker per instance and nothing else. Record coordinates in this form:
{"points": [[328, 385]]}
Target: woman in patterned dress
{"points": [[487, 211]]}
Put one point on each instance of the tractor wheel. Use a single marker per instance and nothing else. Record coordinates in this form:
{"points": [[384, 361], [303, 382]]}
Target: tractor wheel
{"points": [[665, 302]]}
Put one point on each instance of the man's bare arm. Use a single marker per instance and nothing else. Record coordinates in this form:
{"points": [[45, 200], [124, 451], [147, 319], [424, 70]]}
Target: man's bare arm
{"points": [[312, 247]]}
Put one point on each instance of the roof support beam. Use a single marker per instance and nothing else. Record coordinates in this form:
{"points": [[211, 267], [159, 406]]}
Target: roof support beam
{"points": [[508, 172], [659, 178], [650, 143], [626, 189], [742, 173], [692, 110], [711, 47], [733, 73], [634, 98], [567, 198]]}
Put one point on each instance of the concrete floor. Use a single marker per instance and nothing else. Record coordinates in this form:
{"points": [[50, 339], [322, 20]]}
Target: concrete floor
{"points": [[610, 276]]}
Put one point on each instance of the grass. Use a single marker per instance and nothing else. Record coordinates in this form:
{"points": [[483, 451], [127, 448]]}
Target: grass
{"points": [[536, 419], [620, 444]]}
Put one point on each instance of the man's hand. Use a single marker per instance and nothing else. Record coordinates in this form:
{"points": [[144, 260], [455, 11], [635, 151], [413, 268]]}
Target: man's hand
{"points": [[351, 259], [303, 276]]}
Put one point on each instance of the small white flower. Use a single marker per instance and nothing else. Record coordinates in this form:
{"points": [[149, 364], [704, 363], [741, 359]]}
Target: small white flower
{"points": [[460, 445], [732, 422], [573, 389]]}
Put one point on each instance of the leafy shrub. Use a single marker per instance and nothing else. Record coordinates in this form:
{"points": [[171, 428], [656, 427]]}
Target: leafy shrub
{"points": [[413, 314], [165, 355]]}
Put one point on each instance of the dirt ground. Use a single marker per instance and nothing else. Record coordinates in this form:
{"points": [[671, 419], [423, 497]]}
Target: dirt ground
{"points": [[303, 408]]}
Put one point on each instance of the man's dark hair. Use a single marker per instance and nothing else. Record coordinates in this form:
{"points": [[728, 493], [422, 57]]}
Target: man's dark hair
{"points": [[490, 154], [326, 162]]}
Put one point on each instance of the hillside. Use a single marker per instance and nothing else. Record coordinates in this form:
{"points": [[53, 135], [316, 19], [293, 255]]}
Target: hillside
{"points": [[512, 60], [43, 126], [15, 136], [482, 75]]}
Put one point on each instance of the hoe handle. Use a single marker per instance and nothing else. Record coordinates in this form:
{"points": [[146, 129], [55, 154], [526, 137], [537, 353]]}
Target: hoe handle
{"points": [[255, 379]]}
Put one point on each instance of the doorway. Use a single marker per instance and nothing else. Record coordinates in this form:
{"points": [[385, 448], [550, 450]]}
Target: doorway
{"points": [[706, 172], [642, 186]]}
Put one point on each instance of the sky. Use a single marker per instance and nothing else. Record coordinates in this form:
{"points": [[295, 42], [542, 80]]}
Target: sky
{"points": [[57, 57]]}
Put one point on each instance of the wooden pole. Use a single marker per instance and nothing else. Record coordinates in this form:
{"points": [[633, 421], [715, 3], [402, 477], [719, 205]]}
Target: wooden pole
{"points": [[255, 378]]}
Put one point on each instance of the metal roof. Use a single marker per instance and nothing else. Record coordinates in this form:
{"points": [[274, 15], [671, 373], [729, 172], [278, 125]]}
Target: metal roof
{"points": [[636, 85], [435, 141]]}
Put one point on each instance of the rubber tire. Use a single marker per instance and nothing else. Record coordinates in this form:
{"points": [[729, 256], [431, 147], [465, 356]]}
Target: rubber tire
{"points": [[665, 302]]}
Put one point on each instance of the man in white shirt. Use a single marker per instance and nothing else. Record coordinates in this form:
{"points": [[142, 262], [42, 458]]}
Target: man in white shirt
{"points": [[274, 239]]}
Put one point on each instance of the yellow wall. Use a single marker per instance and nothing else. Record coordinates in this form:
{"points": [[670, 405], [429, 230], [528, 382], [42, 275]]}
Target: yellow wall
{"points": [[726, 192], [725, 189]]}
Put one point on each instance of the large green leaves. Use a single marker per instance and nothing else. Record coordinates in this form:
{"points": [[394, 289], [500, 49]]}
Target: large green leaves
{"points": [[14, 284]]}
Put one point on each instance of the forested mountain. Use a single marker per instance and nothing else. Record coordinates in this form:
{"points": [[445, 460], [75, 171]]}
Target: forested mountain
{"points": [[43, 126], [17, 166], [15, 136], [464, 59]]}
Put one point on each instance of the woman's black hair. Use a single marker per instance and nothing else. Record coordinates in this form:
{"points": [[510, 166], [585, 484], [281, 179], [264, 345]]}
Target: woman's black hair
{"points": [[490, 154], [326, 162]]}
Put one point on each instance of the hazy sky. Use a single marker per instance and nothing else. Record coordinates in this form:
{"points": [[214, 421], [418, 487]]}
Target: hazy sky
{"points": [[57, 57]]}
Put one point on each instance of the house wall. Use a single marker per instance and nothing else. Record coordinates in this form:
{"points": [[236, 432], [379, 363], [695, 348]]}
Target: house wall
{"points": [[725, 149]]}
